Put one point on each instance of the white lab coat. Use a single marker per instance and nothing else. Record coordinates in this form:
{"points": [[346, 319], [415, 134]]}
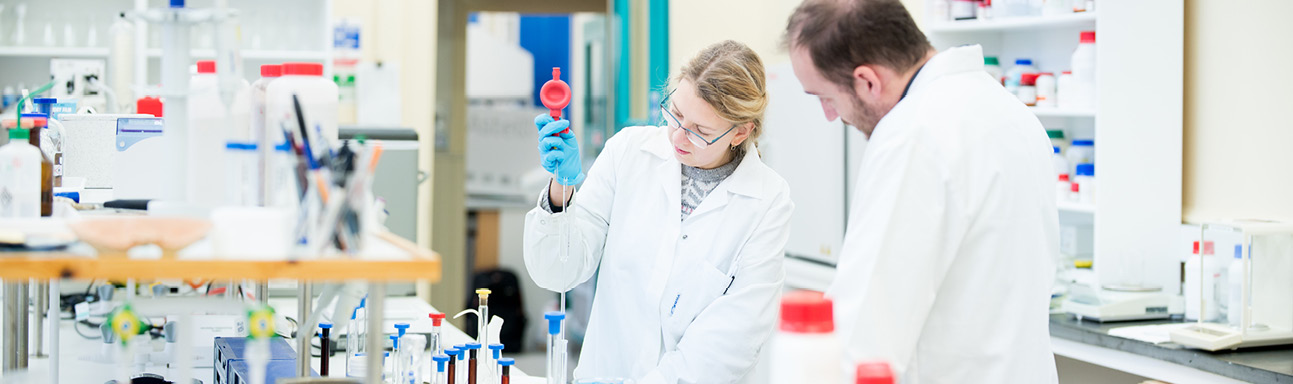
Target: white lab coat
{"points": [[689, 301], [947, 263]]}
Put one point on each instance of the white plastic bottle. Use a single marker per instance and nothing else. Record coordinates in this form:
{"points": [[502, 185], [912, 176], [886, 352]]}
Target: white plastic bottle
{"points": [[1064, 90], [1084, 72], [121, 60], [214, 175], [318, 97], [265, 138], [1061, 164], [1080, 152], [1201, 288], [19, 177], [1046, 90], [804, 348], [1063, 187], [1016, 74], [1085, 177], [993, 67], [1235, 288], [1028, 89]]}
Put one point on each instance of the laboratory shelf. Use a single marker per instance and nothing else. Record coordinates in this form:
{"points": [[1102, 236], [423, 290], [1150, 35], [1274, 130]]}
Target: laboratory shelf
{"points": [[390, 258], [1068, 206], [10, 51], [1032, 23], [1062, 112], [254, 54]]}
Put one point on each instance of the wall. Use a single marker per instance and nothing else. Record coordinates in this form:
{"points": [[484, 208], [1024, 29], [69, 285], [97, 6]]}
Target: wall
{"points": [[693, 25], [1236, 137]]}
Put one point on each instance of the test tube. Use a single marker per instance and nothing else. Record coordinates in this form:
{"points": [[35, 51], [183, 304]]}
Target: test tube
{"points": [[325, 330], [505, 370], [452, 371], [473, 349], [482, 325], [395, 365], [496, 351], [436, 319], [462, 362], [437, 375], [556, 348], [355, 340]]}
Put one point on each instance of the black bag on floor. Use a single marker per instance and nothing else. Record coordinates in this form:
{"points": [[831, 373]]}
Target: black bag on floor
{"points": [[504, 302]]}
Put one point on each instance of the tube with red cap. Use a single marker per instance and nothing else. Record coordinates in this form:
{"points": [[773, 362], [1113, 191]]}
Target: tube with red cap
{"points": [[436, 319]]}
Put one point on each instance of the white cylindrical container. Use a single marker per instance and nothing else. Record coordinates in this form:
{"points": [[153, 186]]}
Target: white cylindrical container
{"points": [[1046, 90], [1064, 90], [1235, 288], [941, 10], [19, 176], [1061, 164], [1085, 177], [318, 97], [265, 138], [121, 64], [1074, 190], [1202, 272], [212, 124], [1063, 187], [985, 10], [1028, 89], [1084, 72], [804, 348], [1080, 152], [963, 9]]}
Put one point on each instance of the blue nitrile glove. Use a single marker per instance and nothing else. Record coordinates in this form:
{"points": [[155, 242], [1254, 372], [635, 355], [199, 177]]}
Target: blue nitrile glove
{"points": [[559, 154]]}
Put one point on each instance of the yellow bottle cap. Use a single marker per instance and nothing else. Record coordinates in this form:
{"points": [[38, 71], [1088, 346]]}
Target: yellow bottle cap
{"points": [[1082, 263]]}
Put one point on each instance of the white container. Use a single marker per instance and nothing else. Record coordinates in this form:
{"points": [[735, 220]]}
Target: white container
{"points": [[1235, 288], [1077, 241], [984, 11], [1074, 190], [1202, 290], [1084, 72], [1027, 92], [1016, 74], [1061, 164], [318, 97], [19, 177], [963, 9], [1063, 187], [1085, 177], [212, 124], [1056, 7], [1046, 90], [1080, 152], [805, 349], [121, 63], [1064, 90], [264, 138], [993, 68], [941, 10]]}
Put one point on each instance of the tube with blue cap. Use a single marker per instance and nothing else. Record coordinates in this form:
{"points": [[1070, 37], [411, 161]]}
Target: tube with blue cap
{"points": [[452, 372], [355, 340], [505, 370], [473, 349], [556, 348], [437, 375], [491, 360]]}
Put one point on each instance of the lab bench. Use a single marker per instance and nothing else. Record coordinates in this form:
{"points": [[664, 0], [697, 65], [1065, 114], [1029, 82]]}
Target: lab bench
{"points": [[1091, 342]]}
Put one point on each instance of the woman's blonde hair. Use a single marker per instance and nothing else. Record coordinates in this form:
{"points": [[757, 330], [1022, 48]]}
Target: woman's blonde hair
{"points": [[729, 77]]}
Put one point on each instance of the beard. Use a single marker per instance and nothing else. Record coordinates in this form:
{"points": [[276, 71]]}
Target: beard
{"points": [[863, 116]]}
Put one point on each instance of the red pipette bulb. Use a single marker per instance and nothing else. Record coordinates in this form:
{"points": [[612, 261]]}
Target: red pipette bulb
{"points": [[555, 95]]}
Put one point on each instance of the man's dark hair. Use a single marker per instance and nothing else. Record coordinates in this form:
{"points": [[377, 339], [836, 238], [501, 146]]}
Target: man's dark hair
{"points": [[843, 34]]}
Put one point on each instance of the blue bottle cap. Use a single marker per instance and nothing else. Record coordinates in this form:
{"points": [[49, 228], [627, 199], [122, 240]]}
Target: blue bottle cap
{"points": [[452, 352], [402, 328], [1023, 62], [1239, 251], [439, 361], [1086, 169], [473, 345], [44, 100], [497, 348], [177, 3], [325, 325], [507, 361], [1055, 149], [554, 321], [395, 341], [1084, 142]]}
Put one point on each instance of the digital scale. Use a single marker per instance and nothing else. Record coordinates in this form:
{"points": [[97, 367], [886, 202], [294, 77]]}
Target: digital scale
{"points": [[1118, 303]]}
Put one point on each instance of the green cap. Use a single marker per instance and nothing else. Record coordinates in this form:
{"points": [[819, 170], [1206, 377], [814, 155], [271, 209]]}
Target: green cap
{"points": [[990, 60], [1055, 133], [18, 134]]}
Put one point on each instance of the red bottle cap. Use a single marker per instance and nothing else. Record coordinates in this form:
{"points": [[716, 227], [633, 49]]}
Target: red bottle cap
{"points": [[149, 106], [1088, 37], [436, 318], [206, 66], [874, 372], [806, 312], [1074, 187], [1064, 177], [1207, 248], [555, 95], [271, 70], [303, 69]]}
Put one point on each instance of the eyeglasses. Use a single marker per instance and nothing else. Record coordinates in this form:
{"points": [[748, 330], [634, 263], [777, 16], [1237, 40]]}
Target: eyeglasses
{"points": [[695, 138]]}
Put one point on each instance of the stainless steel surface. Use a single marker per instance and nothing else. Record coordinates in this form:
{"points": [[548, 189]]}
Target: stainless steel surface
{"points": [[11, 313], [262, 292], [38, 318], [23, 335], [376, 308], [304, 302]]}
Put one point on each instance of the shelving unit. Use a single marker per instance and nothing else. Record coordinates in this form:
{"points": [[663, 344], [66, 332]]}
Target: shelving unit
{"points": [[1014, 24], [88, 52], [1138, 139]]}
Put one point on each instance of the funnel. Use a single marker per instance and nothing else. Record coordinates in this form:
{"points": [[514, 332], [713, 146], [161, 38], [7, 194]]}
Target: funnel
{"points": [[555, 95]]}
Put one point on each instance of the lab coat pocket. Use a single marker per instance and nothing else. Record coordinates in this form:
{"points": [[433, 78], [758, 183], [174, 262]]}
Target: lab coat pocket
{"points": [[690, 293]]}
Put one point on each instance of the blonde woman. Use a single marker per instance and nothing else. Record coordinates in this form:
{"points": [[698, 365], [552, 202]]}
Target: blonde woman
{"points": [[683, 224]]}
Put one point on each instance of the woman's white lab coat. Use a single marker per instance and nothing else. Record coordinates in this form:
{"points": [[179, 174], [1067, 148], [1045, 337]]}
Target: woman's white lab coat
{"points": [[947, 264], [677, 301]]}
